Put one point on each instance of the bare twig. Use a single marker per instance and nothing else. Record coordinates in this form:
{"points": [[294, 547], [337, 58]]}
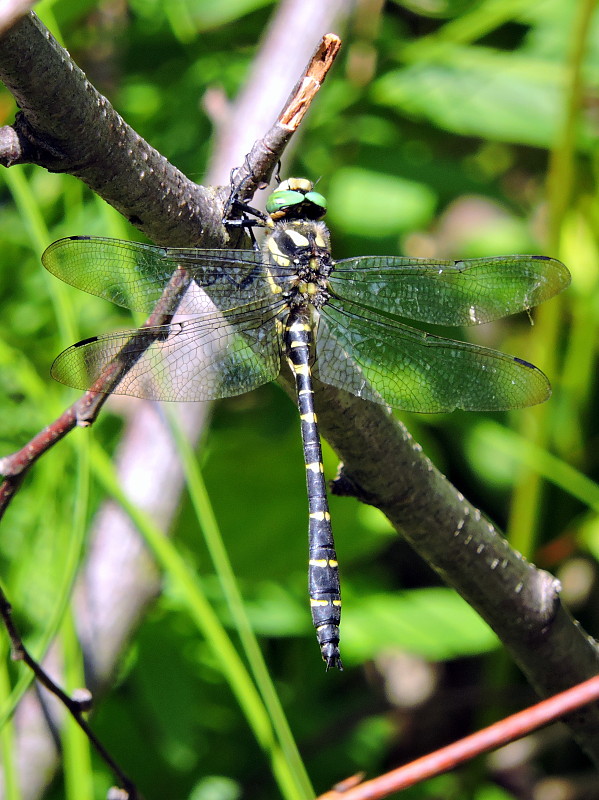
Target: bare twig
{"points": [[266, 152], [287, 44], [450, 757], [76, 705], [85, 410]]}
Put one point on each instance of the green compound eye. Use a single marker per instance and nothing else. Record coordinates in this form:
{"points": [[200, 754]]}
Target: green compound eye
{"points": [[317, 199], [283, 199]]}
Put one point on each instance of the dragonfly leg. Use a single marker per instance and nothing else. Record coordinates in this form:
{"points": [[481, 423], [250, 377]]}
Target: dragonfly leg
{"points": [[260, 218], [245, 221]]}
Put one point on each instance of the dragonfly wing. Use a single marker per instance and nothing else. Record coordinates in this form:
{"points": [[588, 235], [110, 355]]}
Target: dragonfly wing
{"points": [[335, 365], [446, 292], [416, 371], [220, 355], [134, 275]]}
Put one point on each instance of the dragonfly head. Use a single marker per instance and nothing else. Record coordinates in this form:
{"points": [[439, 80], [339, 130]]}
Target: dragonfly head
{"points": [[296, 199]]}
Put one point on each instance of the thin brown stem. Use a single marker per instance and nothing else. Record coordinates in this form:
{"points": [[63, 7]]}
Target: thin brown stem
{"points": [[490, 738], [76, 705]]}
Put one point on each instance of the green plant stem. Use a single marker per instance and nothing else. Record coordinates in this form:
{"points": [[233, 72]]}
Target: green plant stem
{"points": [[494, 437], [202, 613], [7, 749], [78, 775], [222, 565], [465, 29], [525, 505], [29, 209], [560, 178], [75, 530]]}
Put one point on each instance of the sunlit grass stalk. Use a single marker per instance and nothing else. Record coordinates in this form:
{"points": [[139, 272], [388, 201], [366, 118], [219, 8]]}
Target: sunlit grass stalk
{"points": [[537, 423], [560, 178], [7, 745], [187, 582], [74, 532], [76, 760], [30, 212], [218, 553], [497, 438], [77, 757], [480, 20]]}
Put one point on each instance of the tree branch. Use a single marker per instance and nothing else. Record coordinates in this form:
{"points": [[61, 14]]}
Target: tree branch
{"points": [[382, 462], [66, 125], [520, 602]]}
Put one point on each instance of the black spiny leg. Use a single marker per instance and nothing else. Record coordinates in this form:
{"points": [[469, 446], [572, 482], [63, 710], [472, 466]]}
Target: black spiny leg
{"points": [[323, 573], [250, 218]]}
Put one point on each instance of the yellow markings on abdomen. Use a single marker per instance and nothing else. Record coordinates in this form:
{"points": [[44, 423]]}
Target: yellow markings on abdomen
{"points": [[321, 515], [323, 562], [321, 603], [298, 326], [310, 417], [301, 369], [315, 466], [323, 627]]}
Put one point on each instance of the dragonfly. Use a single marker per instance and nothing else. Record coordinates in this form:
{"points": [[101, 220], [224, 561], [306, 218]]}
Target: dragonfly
{"points": [[247, 313]]}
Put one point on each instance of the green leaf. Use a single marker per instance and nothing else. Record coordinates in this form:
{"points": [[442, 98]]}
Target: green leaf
{"points": [[477, 91], [434, 623], [376, 204]]}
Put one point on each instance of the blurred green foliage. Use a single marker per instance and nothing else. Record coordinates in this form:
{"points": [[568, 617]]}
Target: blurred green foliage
{"points": [[431, 137]]}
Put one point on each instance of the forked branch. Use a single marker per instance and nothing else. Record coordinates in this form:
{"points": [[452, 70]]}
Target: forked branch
{"points": [[379, 455]]}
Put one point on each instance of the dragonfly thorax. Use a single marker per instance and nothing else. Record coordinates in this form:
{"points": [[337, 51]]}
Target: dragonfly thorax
{"points": [[300, 257]]}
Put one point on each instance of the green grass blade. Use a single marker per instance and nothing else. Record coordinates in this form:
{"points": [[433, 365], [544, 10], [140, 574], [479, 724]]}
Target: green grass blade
{"points": [[77, 764], [8, 759], [492, 437], [218, 553], [29, 209], [202, 613]]}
